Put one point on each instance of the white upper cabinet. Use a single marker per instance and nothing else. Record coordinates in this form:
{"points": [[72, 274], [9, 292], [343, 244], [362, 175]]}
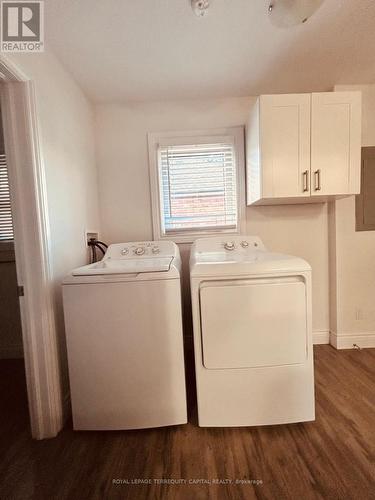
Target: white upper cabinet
{"points": [[303, 147], [335, 143], [285, 143]]}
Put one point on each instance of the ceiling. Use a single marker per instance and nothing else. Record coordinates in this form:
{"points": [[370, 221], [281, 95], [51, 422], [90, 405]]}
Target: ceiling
{"points": [[139, 50]]}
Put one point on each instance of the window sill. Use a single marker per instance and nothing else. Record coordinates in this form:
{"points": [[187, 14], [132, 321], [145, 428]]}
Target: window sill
{"points": [[191, 237]]}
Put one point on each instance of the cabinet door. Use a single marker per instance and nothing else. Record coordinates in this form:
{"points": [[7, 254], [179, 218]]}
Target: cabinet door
{"points": [[285, 145], [335, 143]]}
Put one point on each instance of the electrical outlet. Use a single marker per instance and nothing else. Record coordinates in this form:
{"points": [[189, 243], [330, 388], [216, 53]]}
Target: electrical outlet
{"points": [[89, 235]]}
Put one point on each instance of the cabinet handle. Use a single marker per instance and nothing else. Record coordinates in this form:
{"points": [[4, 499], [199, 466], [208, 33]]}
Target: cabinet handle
{"points": [[305, 181], [318, 186]]}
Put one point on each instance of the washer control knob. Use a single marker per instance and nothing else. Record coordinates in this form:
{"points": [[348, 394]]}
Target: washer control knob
{"points": [[244, 244], [156, 250], [229, 245], [125, 251], [139, 251]]}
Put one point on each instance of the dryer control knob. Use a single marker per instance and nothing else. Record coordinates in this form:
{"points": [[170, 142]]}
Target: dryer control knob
{"points": [[156, 250], [229, 245], [125, 251], [244, 244], [139, 251]]}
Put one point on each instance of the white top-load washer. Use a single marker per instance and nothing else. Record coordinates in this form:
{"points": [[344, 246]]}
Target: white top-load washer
{"points": [[124, 339], [252, 334]]}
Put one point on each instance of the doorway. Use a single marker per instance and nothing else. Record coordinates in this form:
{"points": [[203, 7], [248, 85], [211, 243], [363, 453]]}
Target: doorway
{"points": [[10, 319], [13, 394], [31, 250]]}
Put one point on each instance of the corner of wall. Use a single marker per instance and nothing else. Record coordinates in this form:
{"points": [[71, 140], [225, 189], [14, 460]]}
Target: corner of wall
{"points": [[332, 259]]}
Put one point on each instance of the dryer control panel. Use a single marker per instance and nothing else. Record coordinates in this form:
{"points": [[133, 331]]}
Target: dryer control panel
{"points": [[230, 245]]}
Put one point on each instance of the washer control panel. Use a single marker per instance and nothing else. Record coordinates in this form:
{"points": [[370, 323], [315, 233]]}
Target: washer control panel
{"points": [[139, 249]]}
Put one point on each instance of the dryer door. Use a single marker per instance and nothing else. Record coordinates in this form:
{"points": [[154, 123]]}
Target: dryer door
{"points": [[254, 322]]}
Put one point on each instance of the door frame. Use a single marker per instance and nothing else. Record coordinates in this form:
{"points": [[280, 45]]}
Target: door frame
{"points": [[32, 244]]}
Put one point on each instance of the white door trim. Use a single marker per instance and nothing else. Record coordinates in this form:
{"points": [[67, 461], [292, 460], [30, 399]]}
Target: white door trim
{"points": [[32, 250]]}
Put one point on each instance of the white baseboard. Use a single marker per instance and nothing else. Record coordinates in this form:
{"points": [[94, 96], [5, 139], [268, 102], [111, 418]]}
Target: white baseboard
{"points": [[346, 340], [11, 352], [321, 337]]}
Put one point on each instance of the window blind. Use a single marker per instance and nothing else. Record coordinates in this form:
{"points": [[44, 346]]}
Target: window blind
{"points": [[6, 223], [198, 187]]}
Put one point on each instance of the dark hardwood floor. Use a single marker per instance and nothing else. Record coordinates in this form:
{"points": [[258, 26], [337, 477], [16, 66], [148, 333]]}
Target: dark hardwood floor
{"points": [[331, 458]]}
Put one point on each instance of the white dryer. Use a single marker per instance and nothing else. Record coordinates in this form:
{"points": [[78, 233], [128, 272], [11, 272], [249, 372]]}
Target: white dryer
{"points": [[124, 339], [252, 334]]}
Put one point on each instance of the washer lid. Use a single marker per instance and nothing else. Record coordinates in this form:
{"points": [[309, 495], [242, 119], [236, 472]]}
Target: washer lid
{"points": [[125, 266]]}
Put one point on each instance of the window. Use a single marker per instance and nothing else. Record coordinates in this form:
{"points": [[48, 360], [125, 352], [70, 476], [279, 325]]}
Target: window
{"points": [[6, 223], [197, 183]]}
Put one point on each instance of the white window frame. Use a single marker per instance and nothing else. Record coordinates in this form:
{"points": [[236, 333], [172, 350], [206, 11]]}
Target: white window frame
{"points": [[208, 136]]}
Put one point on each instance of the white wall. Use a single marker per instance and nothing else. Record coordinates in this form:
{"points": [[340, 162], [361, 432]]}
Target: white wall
{"points": [[122, 156], [355, 251], [66, 122]]}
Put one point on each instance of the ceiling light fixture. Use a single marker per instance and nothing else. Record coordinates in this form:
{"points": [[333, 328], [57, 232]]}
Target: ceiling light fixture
{"points": [[200, 7], [286, 13]]}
